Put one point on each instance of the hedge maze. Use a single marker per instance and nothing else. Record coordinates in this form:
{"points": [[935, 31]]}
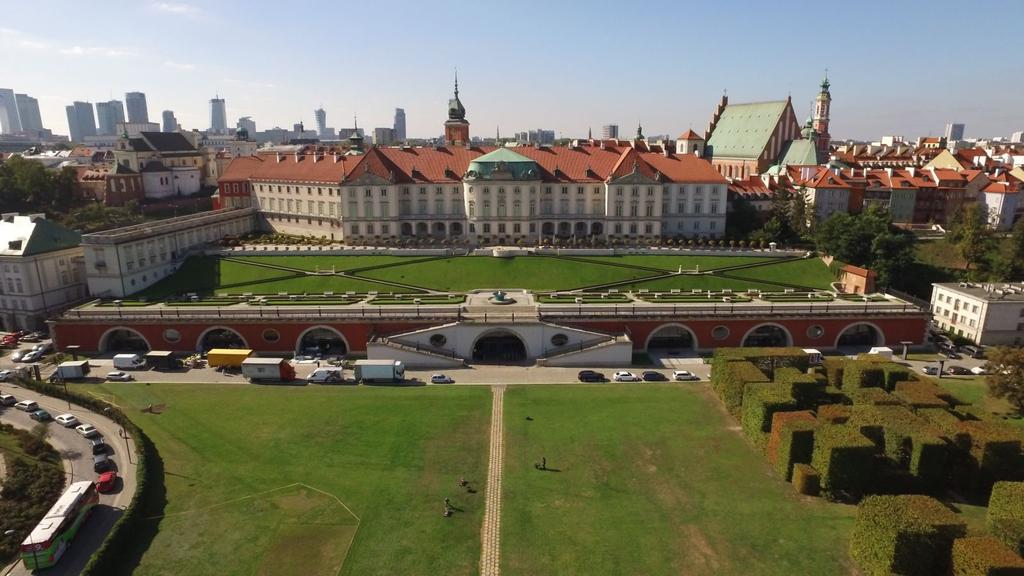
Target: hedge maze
{"points": [[871, 430]]}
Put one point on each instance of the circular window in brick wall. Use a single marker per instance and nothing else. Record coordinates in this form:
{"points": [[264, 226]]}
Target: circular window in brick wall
{"points": [[720, 333], [438, 340], [815, 332], [171, 335], [271, 335], [559, 340]]}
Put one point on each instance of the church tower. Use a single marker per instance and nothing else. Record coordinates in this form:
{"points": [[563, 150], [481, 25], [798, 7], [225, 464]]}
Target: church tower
{"points": [[456, 128], [822, 104]]}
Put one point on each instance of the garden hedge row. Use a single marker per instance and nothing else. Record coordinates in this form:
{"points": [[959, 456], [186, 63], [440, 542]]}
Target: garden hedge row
{"points": [[806, 480], [791, 440], [1005, 517], [910, 535], [803, 387], [995, 452], [729, 380], [760, 402], [984, 556], [110, 558], [845, 458]]}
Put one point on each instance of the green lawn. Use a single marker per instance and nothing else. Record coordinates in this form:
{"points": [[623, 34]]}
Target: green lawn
{"points": [[686, 282], [530, 272], [672, 263], [325, 262], [808, 273], [391, 455], [650, 480]]}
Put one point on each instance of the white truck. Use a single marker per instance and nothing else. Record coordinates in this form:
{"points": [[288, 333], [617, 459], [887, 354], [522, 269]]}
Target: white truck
{"points": [[328, 375], [379, 371], [128, 361], [72, 370]]}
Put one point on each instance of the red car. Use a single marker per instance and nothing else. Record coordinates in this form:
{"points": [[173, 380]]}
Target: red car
{"points": [[106, 482]]}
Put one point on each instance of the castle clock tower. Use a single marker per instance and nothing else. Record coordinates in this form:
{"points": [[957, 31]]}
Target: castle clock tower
{"points": [[822, 104], [456, 128]]}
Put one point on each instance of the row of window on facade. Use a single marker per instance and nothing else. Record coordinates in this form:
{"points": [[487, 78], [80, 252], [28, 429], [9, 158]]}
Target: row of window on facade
{"points": [[698, 191], [162, 249], [565, 228]]}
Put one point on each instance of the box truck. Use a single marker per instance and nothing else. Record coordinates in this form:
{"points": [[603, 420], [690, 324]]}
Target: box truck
{"points": [[162, 360], [379, 371], [72, 370], [227, 357], [268, 369], [128, 361]]}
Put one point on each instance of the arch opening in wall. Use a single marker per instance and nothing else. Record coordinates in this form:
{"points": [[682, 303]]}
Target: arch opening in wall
{"points": [[321, 342], [499, 347], [861, 336], [671, 339], [767, 336], [220, 337], [547, 228], [123, 339]]}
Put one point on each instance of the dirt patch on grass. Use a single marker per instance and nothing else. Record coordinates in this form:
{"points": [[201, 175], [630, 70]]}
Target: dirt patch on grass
{"points": [[311, 550], [697, 556]]}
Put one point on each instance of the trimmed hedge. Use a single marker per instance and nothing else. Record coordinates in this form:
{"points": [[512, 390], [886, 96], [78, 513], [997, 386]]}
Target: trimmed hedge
{"points": [[834, 413], [760, 403], [110, 557], [845, 459], [994, 450], [834, 369], [804, 388], [984, 556], [928, 458], [729, 380], [920, 394], [862, 374], [875, 396], [768, 358], [1005, 517], [909, 535], [791, 440], [806, 480]]}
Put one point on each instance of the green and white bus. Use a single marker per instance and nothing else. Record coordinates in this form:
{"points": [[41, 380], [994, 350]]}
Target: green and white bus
{"points": [[52, 536]]}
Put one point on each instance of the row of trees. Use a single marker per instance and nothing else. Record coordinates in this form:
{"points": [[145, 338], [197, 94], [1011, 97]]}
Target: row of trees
{"points": [[987, 256], [868, 239], [27, 186]]}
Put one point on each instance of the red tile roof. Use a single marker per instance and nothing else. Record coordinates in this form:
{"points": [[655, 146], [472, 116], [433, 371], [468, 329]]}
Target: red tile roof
{"points": [[690, 135]]}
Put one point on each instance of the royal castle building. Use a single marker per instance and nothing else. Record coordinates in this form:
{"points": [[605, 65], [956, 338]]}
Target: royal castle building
{"points": [[594, 189]]}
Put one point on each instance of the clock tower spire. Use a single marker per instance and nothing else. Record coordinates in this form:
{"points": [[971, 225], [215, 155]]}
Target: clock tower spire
{"points": [[822, 104], [456, 128]]}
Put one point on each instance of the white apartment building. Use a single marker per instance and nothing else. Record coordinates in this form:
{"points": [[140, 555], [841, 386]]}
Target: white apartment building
{"points": [[988, 314], [126, 260], [41, 271]]}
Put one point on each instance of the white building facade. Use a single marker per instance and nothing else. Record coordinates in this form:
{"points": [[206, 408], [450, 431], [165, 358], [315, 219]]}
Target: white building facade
{"points": [[987, 314]]}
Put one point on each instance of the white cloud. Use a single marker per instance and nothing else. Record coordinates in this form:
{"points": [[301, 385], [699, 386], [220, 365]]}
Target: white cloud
{"points": [[108, 51], [179, 65], [179, 8]]}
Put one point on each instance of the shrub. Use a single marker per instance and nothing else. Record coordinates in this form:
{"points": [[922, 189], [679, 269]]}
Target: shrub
{"points": [[909, 535], [844, 458], [875, 396], [731, 378], [920, 394], [768, 359], [804, 388], [1006, 514], [863, 374], [928, 457], [806, 480], [760, 403], [834, 413], [994, 450], [791, 441], [892, 429], [834, 369], [984, 556]]}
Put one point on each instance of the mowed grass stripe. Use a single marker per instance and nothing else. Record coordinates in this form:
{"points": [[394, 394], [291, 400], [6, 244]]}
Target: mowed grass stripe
{"points": [[528, 272], [390, 454], [650, 480]]}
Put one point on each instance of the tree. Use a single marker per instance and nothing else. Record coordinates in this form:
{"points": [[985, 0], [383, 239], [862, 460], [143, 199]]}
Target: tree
{"points": [[1005, 378], [1009, 266], [743, 218], [973, 238], [798, 216], [867, 239]]}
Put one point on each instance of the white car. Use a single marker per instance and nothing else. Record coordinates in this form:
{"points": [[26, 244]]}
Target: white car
{"points": [[441, 379], [32, 356], [87, 430], [5, 375], [978, 371], [624, 376], [17, 355], [119, 376], [7, 400], [66, 420], [27, 406], [44, 347], [684, 376]]}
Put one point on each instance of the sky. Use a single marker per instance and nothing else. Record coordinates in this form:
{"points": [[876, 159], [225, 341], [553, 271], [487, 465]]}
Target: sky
{"points": [[905, 68]]}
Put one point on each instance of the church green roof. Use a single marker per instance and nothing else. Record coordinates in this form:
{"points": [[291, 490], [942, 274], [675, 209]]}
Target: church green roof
{"points": [[504, 160], [744, 130], [801, 152]]}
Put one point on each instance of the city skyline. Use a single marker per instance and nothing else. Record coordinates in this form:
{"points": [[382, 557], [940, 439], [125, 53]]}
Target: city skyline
{"points": [[570, 91]]}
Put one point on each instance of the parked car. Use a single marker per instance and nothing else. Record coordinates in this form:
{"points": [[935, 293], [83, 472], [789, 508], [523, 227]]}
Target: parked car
{"points": [[66, 420], [973, 351], [652, 376], [590, 376], [87, 430], [958, 370], [625, 376], [99, 446], [102, 463], [27, 406], [6, 375], [931, 370], [441, 379], [7, 400], [106, 482], [45, 347], [17, 355], [684, 376], [979, 371], [33, 337], [32, 356], [41, 416], [119, 376]]}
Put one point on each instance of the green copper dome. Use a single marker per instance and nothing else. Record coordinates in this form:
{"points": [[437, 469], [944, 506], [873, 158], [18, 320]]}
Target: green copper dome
{"points": [[503, 164]]}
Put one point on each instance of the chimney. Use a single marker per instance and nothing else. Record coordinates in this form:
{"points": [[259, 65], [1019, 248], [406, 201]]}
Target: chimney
{"points": [[297, 157], [336, 157], [888, 170], [912, 170], [280, 157]]}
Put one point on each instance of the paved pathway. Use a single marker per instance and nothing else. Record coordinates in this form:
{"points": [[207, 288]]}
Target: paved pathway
{"points": [[490, 534]]}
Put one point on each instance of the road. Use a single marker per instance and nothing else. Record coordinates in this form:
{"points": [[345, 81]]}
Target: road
{"points": [[77, 455]]}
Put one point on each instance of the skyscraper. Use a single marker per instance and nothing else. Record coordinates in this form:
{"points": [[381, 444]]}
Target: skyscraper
{"points": [[321, 122], [218, 115], [137, 110], [170, 123], [399, 126], [109, 115], [81, 121], [246, 123], [954, 132], [28, 111], [10, 122], [610, 132]]}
